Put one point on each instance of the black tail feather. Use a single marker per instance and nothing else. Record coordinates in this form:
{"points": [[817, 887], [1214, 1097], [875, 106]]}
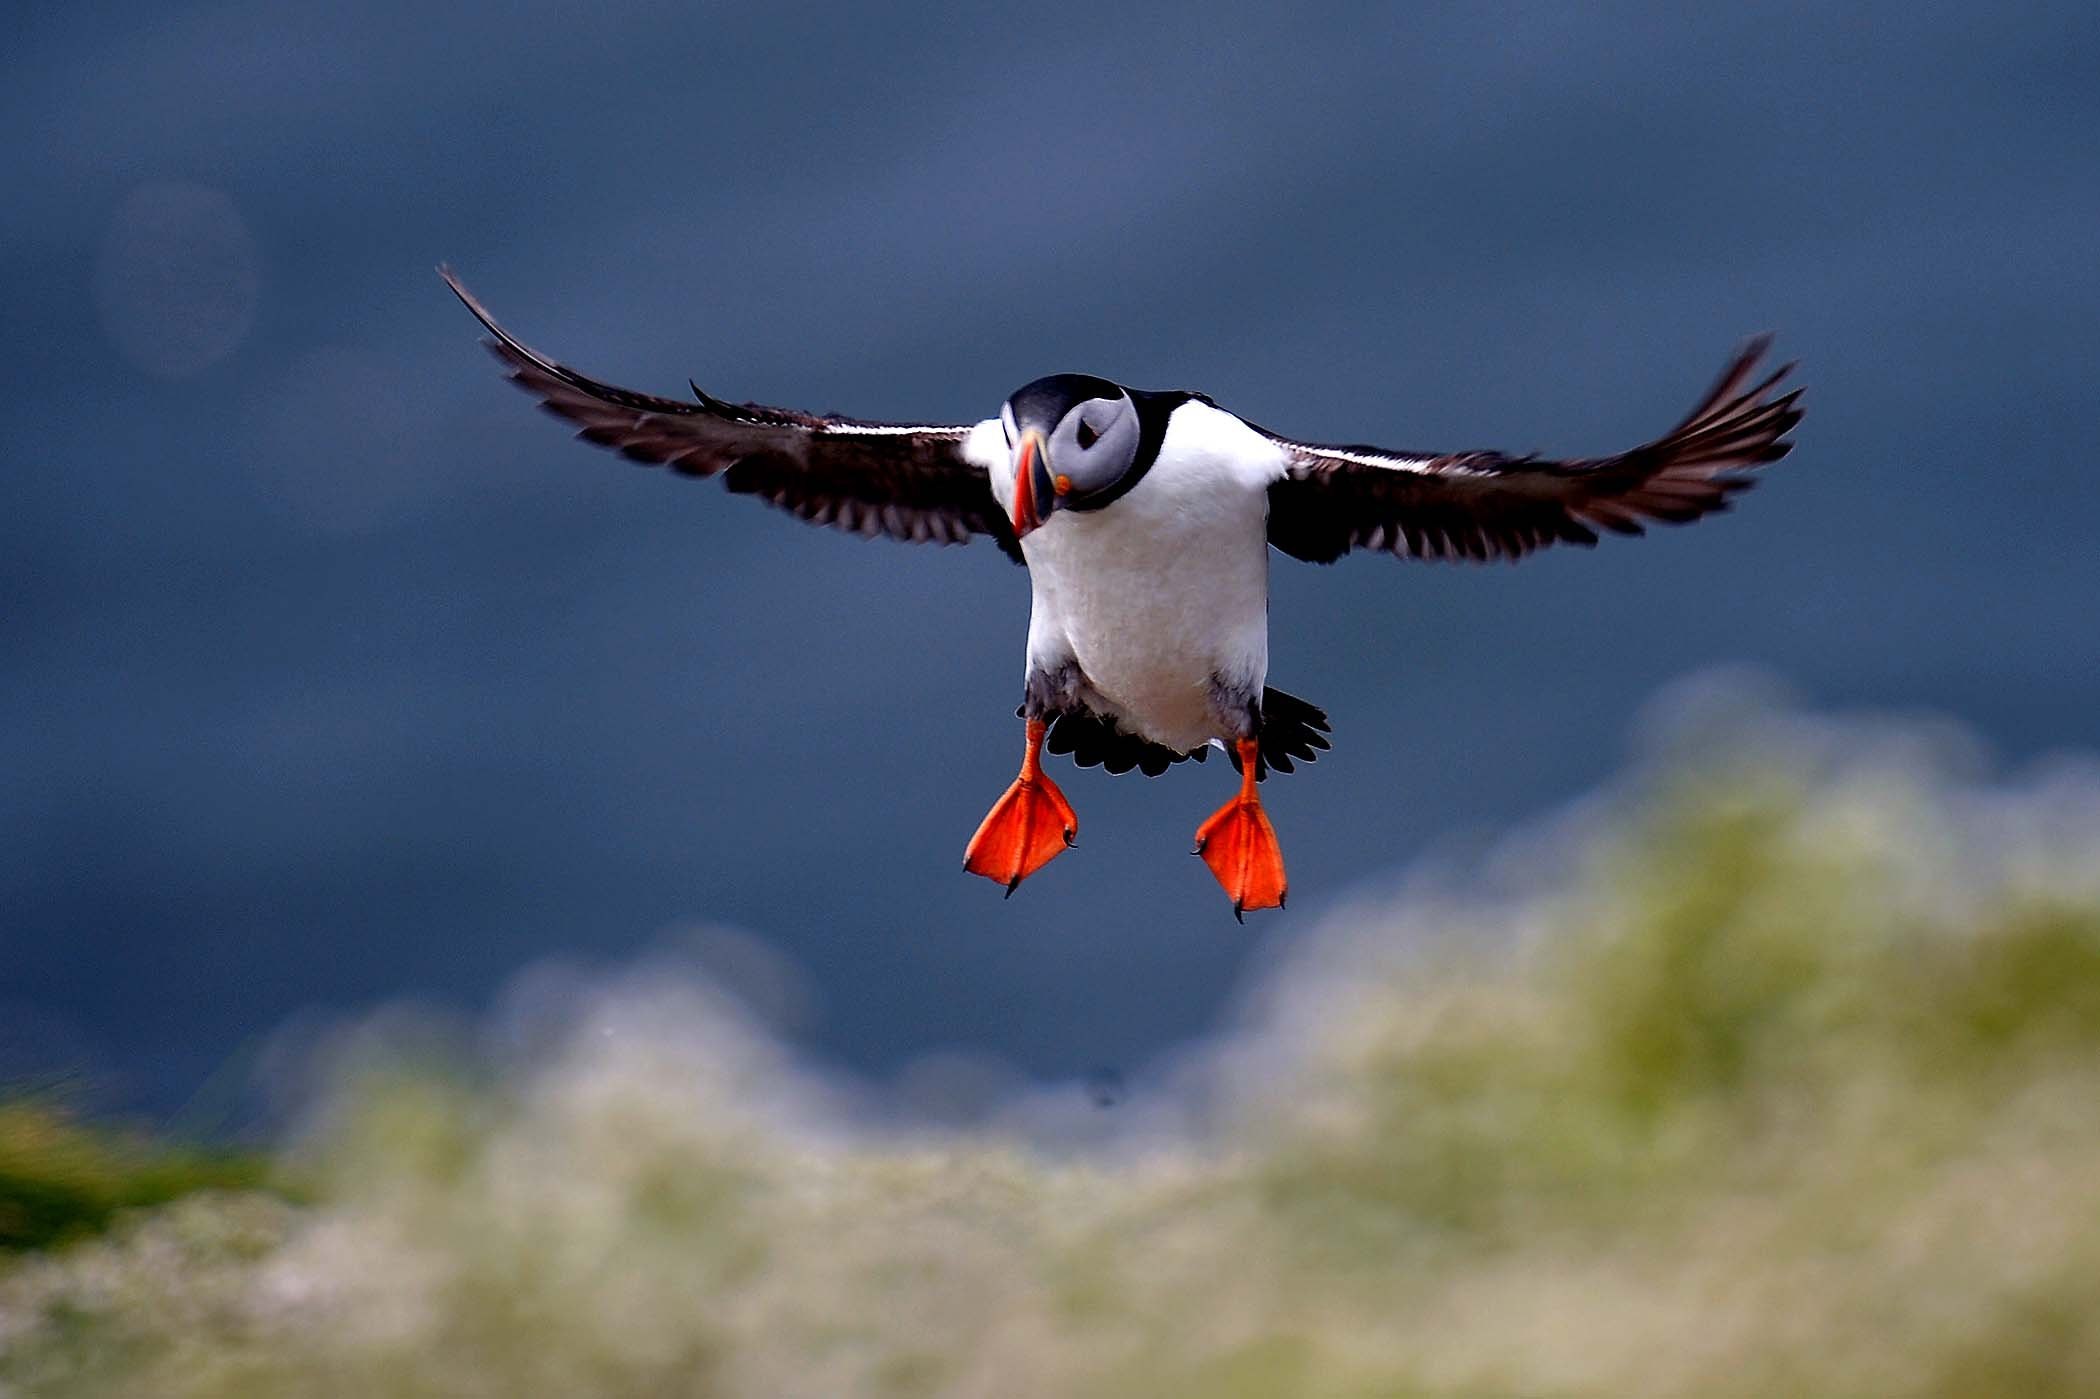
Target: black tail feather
{"points": [[1291, 731]]}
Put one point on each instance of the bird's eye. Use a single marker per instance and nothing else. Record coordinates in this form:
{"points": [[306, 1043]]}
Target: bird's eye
{"points": [[1087, 436]]}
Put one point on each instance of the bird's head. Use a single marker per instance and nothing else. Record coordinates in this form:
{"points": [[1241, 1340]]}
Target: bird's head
{"points": [[1074, 438]]}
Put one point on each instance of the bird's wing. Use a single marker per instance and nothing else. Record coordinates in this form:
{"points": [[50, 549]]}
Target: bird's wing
{"points": [[916, 482], [1485, 505]]}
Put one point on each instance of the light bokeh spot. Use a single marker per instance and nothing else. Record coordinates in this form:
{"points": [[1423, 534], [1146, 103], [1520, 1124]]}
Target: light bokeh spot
{"points": [[178, 279]]}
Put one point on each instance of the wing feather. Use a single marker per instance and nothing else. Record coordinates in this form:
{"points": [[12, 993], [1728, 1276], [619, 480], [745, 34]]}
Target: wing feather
{"points": [[1487, 505], [900, 480]]}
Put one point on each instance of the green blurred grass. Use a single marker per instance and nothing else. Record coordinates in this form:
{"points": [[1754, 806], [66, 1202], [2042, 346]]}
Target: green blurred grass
{"points": [[63, 1179], [1779, 1075]]}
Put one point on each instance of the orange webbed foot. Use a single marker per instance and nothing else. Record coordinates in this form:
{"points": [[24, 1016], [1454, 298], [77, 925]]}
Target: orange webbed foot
{"points": [[1239, 845], [1026, 829]]}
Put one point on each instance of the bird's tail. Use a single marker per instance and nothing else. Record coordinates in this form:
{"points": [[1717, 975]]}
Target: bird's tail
{"points": [[1291, 730]]}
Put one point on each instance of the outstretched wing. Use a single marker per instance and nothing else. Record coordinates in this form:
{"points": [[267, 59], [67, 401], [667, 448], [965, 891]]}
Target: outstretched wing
{"points": [[900, 480], [1484, 505]]}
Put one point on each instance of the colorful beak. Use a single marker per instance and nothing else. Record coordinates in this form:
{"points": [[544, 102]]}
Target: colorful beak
{"points": [[1034, 496]]}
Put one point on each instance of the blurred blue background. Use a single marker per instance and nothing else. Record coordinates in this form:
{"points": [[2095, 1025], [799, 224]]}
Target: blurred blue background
{"points": [[334, 673]]}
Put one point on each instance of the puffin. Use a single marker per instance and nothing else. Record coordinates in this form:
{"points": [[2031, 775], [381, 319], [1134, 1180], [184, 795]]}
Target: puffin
{"points": [[1146, 520]]}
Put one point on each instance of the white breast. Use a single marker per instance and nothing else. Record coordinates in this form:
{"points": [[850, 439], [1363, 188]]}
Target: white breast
{"points": [[1166, 589]]}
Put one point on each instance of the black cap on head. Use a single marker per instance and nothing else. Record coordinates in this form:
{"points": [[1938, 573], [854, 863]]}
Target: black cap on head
{"points": [[1043, 404]]}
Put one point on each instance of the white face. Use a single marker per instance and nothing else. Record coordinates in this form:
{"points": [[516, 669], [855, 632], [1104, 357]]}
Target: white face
{"points": [[1093, 446], [1090, 446]]}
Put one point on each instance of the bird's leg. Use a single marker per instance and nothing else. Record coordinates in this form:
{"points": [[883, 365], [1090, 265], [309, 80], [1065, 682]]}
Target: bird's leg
{"points": [[1028, 827], [1239, 844]]}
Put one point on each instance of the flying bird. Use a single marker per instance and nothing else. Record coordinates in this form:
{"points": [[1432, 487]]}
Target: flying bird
{"points": [[1145, 520]]}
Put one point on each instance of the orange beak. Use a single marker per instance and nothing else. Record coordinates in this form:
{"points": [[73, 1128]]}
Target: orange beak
{"points": [[1028, 464]]}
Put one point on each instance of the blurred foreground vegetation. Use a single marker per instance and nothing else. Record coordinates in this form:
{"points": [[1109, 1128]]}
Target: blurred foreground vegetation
{"points": [[1777, 1072], [62, 1179]]}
